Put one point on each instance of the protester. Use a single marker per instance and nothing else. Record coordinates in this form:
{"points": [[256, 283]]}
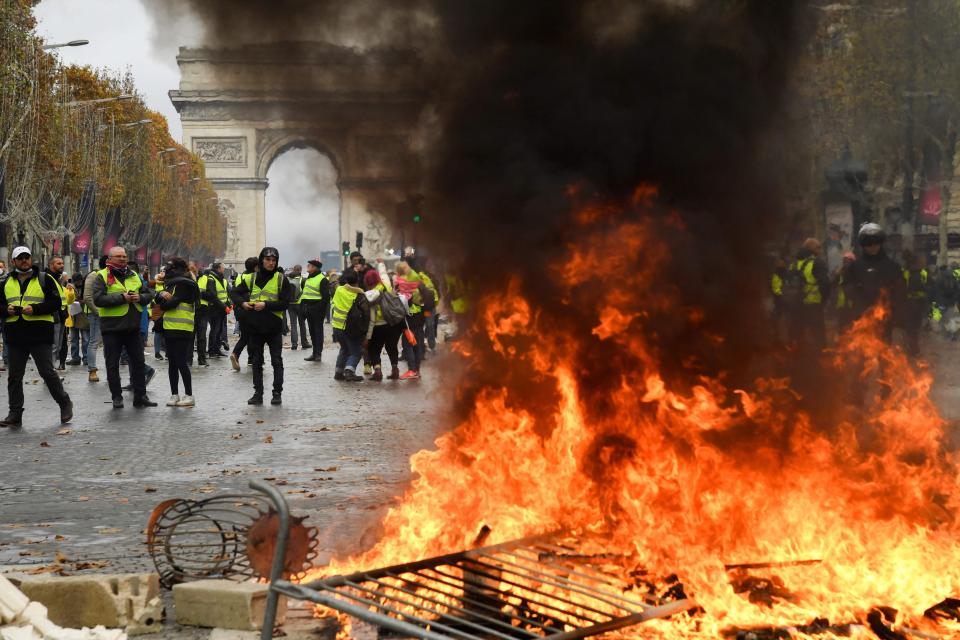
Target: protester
{"points": [[809, 279], [216, 310], [314, 302], [93, 316], [408, 287], [917, 302], [384, 332], [349, 326], [77, 321], [178, 300], [249, 268], [265, 301], [119, 295], [291, 321], [55, 268], [29, 304]]}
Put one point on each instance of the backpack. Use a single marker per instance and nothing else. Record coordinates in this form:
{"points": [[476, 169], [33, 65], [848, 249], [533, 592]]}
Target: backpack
{"points": [[391, 306], [795, 283], [358, 318], [428, 300]]}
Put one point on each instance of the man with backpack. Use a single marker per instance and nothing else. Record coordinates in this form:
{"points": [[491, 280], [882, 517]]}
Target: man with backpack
{"points": [[351, 320], [387, 322], [807, 287]]}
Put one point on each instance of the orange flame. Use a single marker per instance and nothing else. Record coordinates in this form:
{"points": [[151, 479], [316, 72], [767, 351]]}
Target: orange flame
{"points": [[688, 481]]}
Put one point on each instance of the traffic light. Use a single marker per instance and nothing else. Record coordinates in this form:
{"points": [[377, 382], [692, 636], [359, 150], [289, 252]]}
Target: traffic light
{"points": [[346, 248], [417, 217], [359, 240]]}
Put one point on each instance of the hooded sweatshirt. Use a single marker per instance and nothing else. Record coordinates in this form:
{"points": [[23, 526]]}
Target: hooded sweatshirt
{"points": [[263, 322], [24, 332]]}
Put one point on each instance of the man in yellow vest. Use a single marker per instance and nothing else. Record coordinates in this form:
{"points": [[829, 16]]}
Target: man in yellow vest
{"points": [[120, 296], [29, 301], [314, 301], [264, 302], [915, 278], [217, 303], [807, 322], [55, 268], [249, 268]]}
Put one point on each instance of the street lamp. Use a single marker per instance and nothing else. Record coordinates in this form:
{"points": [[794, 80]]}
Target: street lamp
{"points": [[166, 151], [179, 164], [72, 43], [138, 123], [78, 103]]}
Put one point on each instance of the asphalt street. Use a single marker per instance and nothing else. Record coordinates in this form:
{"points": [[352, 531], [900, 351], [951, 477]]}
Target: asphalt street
{"points": [[78, 497]]}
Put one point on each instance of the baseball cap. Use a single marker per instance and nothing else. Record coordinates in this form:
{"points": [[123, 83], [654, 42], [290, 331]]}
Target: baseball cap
{"points": [[19, 251]]}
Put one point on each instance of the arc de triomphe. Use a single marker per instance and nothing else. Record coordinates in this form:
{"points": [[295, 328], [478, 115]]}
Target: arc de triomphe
{"points": [[242, 107]]}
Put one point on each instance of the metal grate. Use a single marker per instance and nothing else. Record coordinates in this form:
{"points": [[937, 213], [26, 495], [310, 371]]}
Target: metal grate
{"points": [[533, 588]]}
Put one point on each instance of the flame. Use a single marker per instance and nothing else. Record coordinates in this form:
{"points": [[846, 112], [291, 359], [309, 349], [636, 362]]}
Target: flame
{"points": [[689, 480]]}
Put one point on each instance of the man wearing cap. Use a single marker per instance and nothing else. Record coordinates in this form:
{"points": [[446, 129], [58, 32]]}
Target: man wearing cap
{"points": [[264, 301], [314, 302], [120, 296], [29, 304]]}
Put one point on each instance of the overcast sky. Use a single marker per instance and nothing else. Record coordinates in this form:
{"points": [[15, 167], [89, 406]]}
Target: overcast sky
{"points": [[302, 201]]}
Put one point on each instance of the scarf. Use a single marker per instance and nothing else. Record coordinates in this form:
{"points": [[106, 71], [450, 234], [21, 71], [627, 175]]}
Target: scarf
{"points": [[116, 272]]}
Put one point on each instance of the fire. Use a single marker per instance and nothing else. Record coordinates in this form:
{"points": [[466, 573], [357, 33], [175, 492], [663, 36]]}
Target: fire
{"points": [[847, 512]]}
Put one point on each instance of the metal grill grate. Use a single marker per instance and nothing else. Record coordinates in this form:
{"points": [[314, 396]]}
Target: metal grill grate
{"points": [[526, 589]]}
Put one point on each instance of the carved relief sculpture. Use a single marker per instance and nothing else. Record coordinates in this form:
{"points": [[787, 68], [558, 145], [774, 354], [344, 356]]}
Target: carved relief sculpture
{"points": [[222, 151]]}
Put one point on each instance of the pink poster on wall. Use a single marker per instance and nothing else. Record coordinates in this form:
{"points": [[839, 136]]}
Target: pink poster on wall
{"points": [[141, 255], [81, 242]]}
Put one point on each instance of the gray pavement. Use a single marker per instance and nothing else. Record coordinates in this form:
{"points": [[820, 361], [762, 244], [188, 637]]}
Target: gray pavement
{"points": [[339, 451]]}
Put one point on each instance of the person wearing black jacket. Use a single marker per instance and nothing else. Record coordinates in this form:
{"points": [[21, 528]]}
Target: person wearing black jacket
{"points": [[249, 268], [217, 297], [314, 302], [876, 277], [179, 301], [264, 302], [119, 295], [29, 305]]}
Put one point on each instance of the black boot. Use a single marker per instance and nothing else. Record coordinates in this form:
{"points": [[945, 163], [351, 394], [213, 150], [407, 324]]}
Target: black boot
{"points": [[66, 411], [256, 398], [13, 419], [144, 401], [118, 402], [276, 399]]}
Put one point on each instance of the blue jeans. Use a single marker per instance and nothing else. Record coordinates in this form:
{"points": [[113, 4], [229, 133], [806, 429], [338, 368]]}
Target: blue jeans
{"points": [[79, 337], [350, 351], [93, 342], [159, 343]]}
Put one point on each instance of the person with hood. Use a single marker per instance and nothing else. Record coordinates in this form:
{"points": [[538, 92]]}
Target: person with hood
{"points": [[178, 300], [314, 301], [810, 272], [120, 296], [264, 301], [249, 268], [876, 277], [29, 305]]}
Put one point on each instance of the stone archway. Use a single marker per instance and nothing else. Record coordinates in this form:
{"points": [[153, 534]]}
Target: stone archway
{"points": [[242, 107]]}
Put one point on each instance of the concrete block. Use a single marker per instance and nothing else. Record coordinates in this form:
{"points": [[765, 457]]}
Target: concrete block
{"points": [[129, 601], [233, 634], [12, 601], [223, 604]]}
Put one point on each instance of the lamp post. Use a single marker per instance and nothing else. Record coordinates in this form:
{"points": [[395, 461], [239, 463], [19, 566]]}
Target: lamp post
{"points": [[72, 43], [80, 103]]}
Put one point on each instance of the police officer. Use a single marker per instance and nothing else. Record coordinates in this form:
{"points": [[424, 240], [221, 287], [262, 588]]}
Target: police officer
{"points": [[29, 303], [314, 301], [264, 302], [875, 277], [120, 295]]}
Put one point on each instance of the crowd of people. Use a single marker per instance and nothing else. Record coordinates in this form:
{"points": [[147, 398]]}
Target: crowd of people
{"points": [[60, 320], [806, 295]]}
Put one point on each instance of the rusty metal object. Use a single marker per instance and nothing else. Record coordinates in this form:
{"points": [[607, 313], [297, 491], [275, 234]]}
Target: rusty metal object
{"points": [[225, 536]]}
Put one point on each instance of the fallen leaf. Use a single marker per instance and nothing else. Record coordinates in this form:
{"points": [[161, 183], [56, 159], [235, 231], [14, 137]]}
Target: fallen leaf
{"points": [[91, 564], [83, 498], [44, 444], [259, 421], [237, 436], [59, 537], [326, 469], [268, 440], [149, 489], [110, 530], [64, 432]]}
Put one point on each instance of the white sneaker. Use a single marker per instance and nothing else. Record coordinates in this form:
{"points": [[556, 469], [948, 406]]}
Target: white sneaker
{"points": [[173, 401], [186, 401]]}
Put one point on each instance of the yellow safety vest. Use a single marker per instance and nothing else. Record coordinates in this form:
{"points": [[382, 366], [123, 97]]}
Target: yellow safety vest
{"points": [[180, 318], [811, 290], [842, 301], [132, 284], [242, 277], [457, 292], [915, 294], [311, 287], [342, 301], [221, 288], [32, 294], [63, 293], [776, 285], [269, 293], [202, 283], [416, 299]]}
